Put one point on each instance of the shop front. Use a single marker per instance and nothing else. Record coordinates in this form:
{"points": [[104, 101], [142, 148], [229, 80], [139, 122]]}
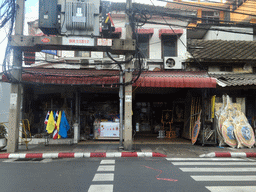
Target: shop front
{"points": [[162, 101]]}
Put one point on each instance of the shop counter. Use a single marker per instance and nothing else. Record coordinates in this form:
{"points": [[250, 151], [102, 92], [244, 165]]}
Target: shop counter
{"points": [[106, 130]]}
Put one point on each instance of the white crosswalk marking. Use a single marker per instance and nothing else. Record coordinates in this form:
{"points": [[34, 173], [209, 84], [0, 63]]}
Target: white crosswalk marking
{"points": [[224, 178], [105, 165], [204, 169], [103, 177], [107, 162], [203, 159], [106, 168], [101, 188], [214, 163], [226, 169], [232, 189]]}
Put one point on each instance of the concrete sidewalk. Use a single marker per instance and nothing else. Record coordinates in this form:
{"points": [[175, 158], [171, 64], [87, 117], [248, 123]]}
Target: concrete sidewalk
{"points": [[111, 149]]}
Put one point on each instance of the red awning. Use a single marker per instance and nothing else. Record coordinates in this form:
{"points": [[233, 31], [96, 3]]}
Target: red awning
{"points": [[145, 31], [170, 32], [174, 79]]}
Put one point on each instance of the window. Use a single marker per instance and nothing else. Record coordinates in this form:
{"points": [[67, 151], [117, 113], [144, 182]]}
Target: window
{"points": [[143, 44], [210, 17], [169, 45], [226, 68], [82, 54]]}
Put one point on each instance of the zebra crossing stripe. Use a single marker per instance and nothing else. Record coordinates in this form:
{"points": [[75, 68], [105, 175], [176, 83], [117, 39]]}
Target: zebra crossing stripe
{"points": [[106, 168], [231, 188], [101, 188], [229, 154], [107, 162], [103, 177], [213, 163], [204, 169], [204, 159], [224, 178]]}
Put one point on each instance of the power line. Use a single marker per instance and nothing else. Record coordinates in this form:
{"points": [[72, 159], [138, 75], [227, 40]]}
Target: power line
{"points": [[206, 7]]}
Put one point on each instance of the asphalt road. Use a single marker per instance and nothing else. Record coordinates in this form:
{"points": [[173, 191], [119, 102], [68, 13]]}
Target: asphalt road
{"points": [[128, 174]]}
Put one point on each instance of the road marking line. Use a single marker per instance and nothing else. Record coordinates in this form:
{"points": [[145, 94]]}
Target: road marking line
{"points": [[214, 163], [232, 188], [204, 159], [101, 188], [204, 169], [103, 177], [106, 168], [224, 178], [107, 162]]}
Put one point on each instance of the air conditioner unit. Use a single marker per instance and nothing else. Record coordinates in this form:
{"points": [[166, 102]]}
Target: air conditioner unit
{"points": [[216, 14], [172, 63], [144, 64], [108, 65]]}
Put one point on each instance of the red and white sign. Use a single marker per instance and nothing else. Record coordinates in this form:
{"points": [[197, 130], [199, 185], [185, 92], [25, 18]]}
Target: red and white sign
{"points": [[104, 42], [45, 40], [79, 41]]}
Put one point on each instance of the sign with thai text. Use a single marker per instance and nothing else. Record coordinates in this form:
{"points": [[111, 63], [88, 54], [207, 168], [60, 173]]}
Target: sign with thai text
{"points": [[104, 42], [79, 41]]}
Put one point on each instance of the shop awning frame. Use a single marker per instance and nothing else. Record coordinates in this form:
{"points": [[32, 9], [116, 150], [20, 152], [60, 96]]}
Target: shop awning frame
{"points": [[145, 31], [170, 32], [163, 79]]}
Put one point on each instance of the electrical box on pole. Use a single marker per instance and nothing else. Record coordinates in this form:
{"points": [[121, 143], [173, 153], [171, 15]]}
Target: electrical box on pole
{"points": [[73, 17], [48, 17]]}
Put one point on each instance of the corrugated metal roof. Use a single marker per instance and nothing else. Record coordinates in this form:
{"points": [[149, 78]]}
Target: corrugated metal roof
{"points": [[215, 50], [235, 79]]}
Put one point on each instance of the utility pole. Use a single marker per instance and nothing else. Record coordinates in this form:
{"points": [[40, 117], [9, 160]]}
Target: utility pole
{"points": [[121, 98], [128, 88], [15, 96]]}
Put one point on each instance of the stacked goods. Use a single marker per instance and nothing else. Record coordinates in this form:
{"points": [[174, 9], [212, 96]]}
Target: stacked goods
{"points": [[220, 118], [233, 127], [244, 132], [228, 131]]}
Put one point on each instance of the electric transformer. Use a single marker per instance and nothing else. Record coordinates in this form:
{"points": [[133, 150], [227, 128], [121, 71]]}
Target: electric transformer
{"points": [[75, 18]]}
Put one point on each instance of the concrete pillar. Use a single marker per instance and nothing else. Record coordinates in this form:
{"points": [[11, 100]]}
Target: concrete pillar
{"points": [[128, 88], [76, 133]]}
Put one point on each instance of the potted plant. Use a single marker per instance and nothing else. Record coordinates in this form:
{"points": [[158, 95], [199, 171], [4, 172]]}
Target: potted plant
{"points": [[3, 135]]}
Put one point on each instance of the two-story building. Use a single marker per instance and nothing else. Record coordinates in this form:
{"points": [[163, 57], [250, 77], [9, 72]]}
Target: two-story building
{"points": [[84, 84]]}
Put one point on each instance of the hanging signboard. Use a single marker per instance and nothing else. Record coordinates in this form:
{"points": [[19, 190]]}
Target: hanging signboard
{"points": [[52, 52], [79, 41]]}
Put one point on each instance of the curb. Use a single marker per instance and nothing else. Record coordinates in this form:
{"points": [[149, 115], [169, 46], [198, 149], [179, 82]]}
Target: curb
{"points": [[79, 155], [229, 154]]}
